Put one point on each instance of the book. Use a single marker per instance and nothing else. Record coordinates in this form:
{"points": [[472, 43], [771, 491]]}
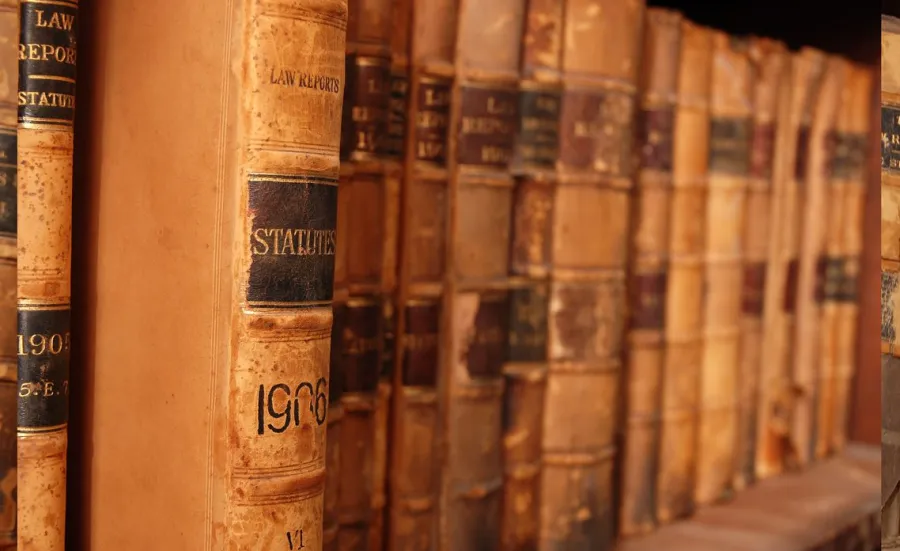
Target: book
{"points": [[44, 157], [209, 362], [648, 267]]}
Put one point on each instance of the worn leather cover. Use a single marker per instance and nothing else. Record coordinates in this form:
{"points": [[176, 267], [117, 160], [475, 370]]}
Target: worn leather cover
{"points": [[730, 140], [776, 448], [212, 169], [648, 263], [525, 373], [415, 431], [684, 288], [768, 60], [813, 201]]}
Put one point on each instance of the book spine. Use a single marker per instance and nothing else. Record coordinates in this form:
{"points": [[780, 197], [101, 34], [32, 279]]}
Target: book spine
{"points": [[415, 429], [45, 140], [648, 266], [292, 70], [731, 128], [9, 28], [525, 373], [684, 285], [767, 58], [370, 190]]}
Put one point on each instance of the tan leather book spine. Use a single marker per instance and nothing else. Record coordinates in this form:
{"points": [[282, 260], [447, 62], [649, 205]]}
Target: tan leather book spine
{"points": [[768, 59], [600, 62], [370, 189], [731, 127], [813, 202], [415, 429], [648, 267], [45, 141], [525, 373], [851, 163], [9, 29], [776, 449], [684, 285], [483, 121]]}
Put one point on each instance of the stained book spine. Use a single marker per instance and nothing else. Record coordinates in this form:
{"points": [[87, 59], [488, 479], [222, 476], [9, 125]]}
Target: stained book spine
{"points": [[368, 196], [46, 112], [415, 428], [684, 286], [525, 373], [279, 384], [649, 245], [767, 58]]}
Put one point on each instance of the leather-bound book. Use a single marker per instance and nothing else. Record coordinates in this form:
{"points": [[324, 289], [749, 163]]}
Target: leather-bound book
{"points": [[483, 122], [370, 190], [768, 59], [730, 139], [9, 30], [684, 281], [45, 142], [850, 163], [589, 247], [415, 459], [211, 175], [649, 245], [525, 373], [776, 448], [813, 202]]}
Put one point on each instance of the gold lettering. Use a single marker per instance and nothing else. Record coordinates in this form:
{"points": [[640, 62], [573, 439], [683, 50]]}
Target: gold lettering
{"points": [[358, 346], [431, 119], [49, 99], [500, 108], [494, 155], [485, 125], [493, 335], [292, 242], [61, 21], [429, 150], [416, 342], [46, 52], [436, 97]]}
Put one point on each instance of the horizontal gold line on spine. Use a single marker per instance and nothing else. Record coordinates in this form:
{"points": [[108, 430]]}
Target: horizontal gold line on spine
{"points": [[41, 430], [292, 179], [287, 305], [414, 505], [363, 301], [31, 306], [481, 390], [479, 490], [572, 177], [46, 124], [560, 458], [493, 80], [481, 285], [419, 395], [588, 275], [548, 85], [279, 10], [585, 367], [251, 473], [52, 77], [287, 145], [8, 130], [73, 4], [364, 60], [261, 501], [530, 372], [355, 402], [475, 176], [583, 81]]}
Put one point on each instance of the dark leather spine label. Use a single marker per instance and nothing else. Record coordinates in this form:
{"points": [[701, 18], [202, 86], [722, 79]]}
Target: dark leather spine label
{"points": [[538, 139], [762, 150], [833, 278], [754, 287], [802, 157], [487, 350], [336, 369], [890, 137], [648, 300], [596, 131], [44, 343], [729, 145], [889, 282], [420, 344], [532, 212], [388, 338], [848, 290], [656, 127], [790, 286], [528, 322], [488, 123], [361, 345], [432, 119], [47, 48], [849, 156], [824, 267], [366, 105], [8, 182], [292, 240], [395, 144]]}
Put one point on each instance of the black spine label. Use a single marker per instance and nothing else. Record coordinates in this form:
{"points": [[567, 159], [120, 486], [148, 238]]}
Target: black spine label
{"points": [[528, 322], [890, 137], [292, 240], [47, 62], [395, 144], [538, 139], [388, 339], [729, 146], [487, 126], [43, 344], [8, 182], [432, 119], [656, 128], [362, 346], [366, 105], [648, 301], [420, 344]]}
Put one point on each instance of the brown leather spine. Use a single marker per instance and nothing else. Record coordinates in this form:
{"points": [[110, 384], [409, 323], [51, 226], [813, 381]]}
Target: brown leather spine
{"points": [[45, 142], [587, 294], [9, 30], [525, 373], [776, 448], [649, 244], [808, 367], [684, 295], [414, 466], [768, 59], [371, 190], [483, 120], [731, 128], [851, 159]]}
